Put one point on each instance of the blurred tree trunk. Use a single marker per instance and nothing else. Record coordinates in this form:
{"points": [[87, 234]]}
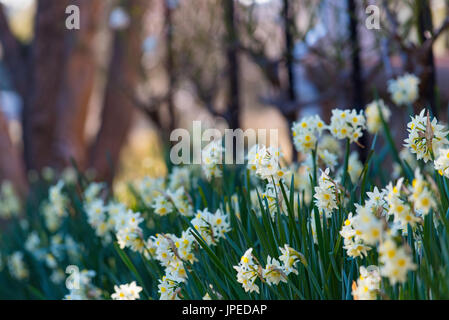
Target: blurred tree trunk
{"points": [[78, 81], [118, 109], [357, 76], [170, 66], [11, 164], [291, 115], [233, 64], [425, 29], [49, 55]]}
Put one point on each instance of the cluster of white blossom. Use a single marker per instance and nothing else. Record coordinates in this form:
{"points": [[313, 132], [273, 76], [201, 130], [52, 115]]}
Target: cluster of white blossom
{"points": [[128, 232], [355, 167], [172, 251], [397, 206], [9, 201], [420, 195], [212, 156], [442, 162], [368, 284], [61, 247], [306, 133], [274, 196], [104, 218], [373, 112], [168, 289], [17, 266], [347, 124], [275, 271], [264, 162], [211, 226], [179, 177], [404, 90], [150, 188], [396, 261], [371, 227], [170, 201], [425, 137], [326, 193], [127, 291], [55, 209]]}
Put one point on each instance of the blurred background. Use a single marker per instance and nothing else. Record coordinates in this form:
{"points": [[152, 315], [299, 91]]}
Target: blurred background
{"points": [[106, 97]]}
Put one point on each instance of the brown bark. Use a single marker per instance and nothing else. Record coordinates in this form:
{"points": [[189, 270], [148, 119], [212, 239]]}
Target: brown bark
{"points": [[118, 108], [49, 55], [11, 164], [233, 67], [79, 76]]}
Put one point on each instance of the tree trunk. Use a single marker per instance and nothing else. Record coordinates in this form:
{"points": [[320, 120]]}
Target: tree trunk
{"points": [[170, 67], [79, 76], [291, 86], [425, 25], [357, 78], [49, 55], [118, 108], [233, 65]]}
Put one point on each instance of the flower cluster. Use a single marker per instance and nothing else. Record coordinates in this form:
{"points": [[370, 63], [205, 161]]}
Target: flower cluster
{"points": [[172, 252], [347, 124], [211, 226], [264, 162], [211, 157], [396, 261], [373, 112], [364, 225], [442, 162], [274, 196], [371, 226], [168, 289], [420, 195], [149, 188], [173, 201], [128, 232], [127, 291], [306, 133], [55, 208], [179, 177], [425, 137], [368, 284], [355, 167], [248, 271], [404, 90], [326, 194], [9, 202], [401, 211], [17, 267], [104, 218], [275, 271]]}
